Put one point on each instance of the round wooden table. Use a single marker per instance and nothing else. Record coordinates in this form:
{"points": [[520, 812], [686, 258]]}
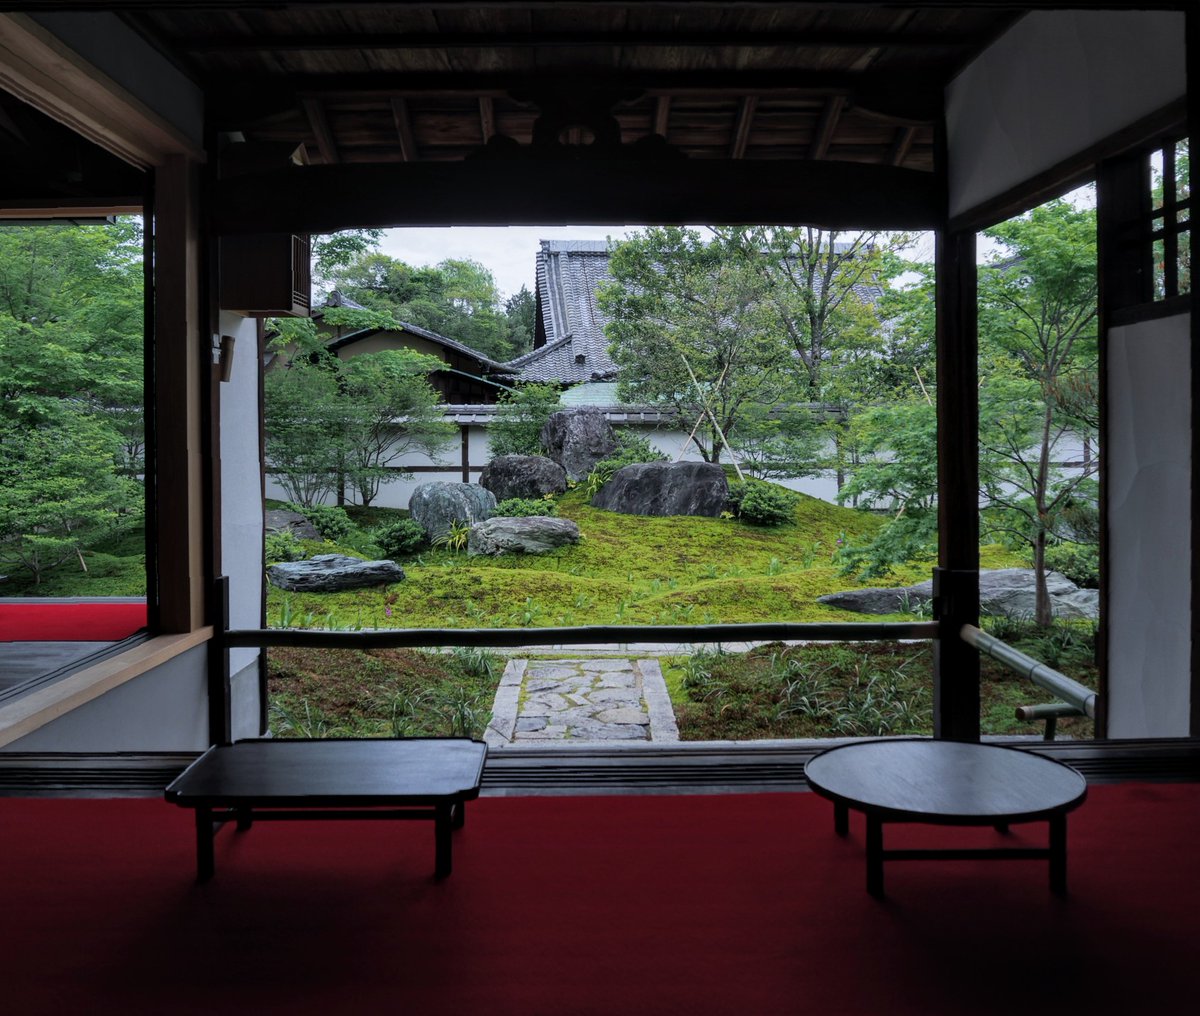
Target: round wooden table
{"points": [[948, 783]]}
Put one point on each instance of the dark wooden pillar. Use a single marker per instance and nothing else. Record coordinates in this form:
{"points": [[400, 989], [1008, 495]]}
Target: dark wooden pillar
{"points": [[956, 579], [1193, 41], [465, 447]]}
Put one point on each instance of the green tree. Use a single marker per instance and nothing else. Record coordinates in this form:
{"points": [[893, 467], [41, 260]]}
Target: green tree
{"points": [[391, 410], [691, 326], [521, 311], [456, 298], [520, 416], [304, 429], [1038, 337], [71, 391]]}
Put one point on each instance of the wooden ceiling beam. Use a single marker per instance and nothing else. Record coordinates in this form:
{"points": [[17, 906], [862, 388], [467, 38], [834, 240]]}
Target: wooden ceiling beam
{"points": [[741, 130], [326, 198], [818, 38], [317, 121], [408, 147], [827, 127]]}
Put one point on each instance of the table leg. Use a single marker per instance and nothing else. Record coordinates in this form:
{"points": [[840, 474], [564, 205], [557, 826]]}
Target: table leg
{"points": [[841, 819], [443, 823], [205, 866], [460, 814], [874, 855], [244, 819], [1058, 854]]}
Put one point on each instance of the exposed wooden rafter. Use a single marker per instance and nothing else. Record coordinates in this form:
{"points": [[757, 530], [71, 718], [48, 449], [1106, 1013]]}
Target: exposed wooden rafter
{"points": [[901, 146], [408, 147], [662, 114], [317, 121], [827, 127], [741, 130], [487, 117]]}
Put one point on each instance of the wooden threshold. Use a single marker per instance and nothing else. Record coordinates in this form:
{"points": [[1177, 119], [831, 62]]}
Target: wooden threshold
{"points": [[702, 767]]}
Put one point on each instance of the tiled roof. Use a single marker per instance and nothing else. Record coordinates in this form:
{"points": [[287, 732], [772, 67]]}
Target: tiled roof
{"points": [[576, 348], [423, 333]]}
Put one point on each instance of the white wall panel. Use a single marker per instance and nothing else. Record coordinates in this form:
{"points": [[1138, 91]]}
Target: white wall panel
{"points": [[1148, 461], [1055, 84]]}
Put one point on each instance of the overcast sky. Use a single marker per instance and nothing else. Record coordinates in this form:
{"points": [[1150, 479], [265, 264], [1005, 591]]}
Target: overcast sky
{"points": [[508, 251]]}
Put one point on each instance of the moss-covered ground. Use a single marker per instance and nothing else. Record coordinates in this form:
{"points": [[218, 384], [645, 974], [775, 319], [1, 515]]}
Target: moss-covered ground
{"points": [[626, 570]]}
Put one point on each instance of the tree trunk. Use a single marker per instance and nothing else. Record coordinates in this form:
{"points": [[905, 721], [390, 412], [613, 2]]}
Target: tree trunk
{"points": [[1043, 615]]}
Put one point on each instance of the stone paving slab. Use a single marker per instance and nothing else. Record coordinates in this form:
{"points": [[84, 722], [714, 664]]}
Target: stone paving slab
{"points": [[581, 701]]}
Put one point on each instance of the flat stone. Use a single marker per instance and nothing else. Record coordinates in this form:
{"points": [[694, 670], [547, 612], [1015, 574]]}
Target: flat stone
{"points": [[528, 723], [626, 696], [616, 732], [623, 716], [624, 679], [550, 673], [605, 665]]}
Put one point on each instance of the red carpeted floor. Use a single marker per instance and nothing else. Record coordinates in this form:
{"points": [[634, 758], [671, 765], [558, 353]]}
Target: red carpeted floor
{"points": [[691, 904], [70, 622]]}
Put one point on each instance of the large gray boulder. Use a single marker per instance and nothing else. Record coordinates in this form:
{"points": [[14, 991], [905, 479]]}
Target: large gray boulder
{"points": [[329, 573], [532, 535], [1009, 592], [281, 520], [665, 488], [438, 504], [527, 476], [577, 439]]}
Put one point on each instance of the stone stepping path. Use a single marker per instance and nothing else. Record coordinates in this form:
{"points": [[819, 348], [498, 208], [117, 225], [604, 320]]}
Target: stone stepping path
{"points": [[541, 701]]}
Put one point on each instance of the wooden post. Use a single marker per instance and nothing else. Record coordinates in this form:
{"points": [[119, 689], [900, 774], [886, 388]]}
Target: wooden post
{"points": [[956, 579], [182, 365]]}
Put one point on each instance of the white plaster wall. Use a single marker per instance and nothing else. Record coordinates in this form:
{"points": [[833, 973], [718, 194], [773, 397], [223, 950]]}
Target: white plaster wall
{"points": [[241, 512], [114, 48], [1150, 508], [1056, 83], [165, 709]]}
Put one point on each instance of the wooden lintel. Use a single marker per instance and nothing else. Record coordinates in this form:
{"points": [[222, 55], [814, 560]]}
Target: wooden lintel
{"points": [[828, 125], [487, 118], [662, 114], [408, 147], [315, 111], [321, 199], [741, 131]]}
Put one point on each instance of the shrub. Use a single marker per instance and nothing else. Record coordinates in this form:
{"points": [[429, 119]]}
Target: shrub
{"points": [[631, 449], [282, 546], [520, 416], [396, 539], [1080, 562], [524, 507], [331, 522], [763, 504]]}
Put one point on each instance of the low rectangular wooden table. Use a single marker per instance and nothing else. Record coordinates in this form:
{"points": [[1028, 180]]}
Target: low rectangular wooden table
{"points": [[277, 779]]}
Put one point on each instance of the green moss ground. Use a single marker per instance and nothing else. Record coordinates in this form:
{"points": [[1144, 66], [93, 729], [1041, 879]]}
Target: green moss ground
{"points": [[627, 570]]}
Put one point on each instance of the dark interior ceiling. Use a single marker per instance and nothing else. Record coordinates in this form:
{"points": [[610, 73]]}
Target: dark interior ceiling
{"points": [[389, 82]]}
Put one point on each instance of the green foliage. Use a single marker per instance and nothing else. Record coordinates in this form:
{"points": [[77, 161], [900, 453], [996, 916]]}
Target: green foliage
{"points": [[763, 504], [521, 311], [631, 449], [351, 418], [456, 298], [524, 507], [71, 392], [282, 546], [330, 521], [1080, 562], [455, 539], [691, 326], [399, 538], [520, 416]]}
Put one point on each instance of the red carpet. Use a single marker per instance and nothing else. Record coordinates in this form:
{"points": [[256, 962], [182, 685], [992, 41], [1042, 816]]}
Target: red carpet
{"points": [[70, 622], [696, 905]]}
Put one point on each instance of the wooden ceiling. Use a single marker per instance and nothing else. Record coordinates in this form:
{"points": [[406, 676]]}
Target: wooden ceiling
{"points": [[391, 82]]}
